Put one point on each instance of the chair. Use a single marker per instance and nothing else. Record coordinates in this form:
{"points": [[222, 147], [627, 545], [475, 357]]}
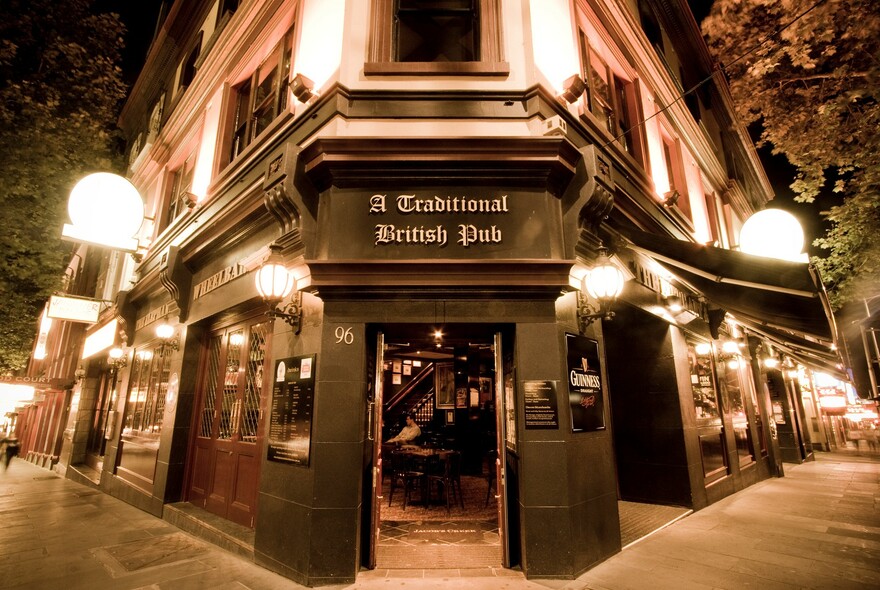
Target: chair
{"points": [[491, 458], [402, 474], [449, 479]]}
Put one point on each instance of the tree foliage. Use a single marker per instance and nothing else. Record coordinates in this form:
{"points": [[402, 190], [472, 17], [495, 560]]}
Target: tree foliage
{"points": [[60, 91], [814, 87]]}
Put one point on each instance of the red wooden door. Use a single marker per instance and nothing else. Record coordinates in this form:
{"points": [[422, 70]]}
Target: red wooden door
{"points": [[224, 469]]}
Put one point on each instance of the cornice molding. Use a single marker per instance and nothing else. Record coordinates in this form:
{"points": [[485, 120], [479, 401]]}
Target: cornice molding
{"points": [[545, 162]]}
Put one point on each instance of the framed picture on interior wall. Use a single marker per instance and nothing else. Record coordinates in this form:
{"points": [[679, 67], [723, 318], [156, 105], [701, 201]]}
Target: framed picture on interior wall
{"points": [[486, 389], [450, 417], [461, 397], [444, 386], [396, 379]]}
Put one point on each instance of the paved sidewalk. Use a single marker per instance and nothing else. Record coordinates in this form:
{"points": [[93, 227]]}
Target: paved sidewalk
{"points": [[818, 527]]}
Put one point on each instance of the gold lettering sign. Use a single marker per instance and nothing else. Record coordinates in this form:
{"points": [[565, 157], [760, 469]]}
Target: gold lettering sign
{"points": [[154, 315], [218, 280], [437, 235]]}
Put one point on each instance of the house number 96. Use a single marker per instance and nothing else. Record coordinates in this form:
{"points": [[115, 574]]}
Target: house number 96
{"points": [[344, 335]]}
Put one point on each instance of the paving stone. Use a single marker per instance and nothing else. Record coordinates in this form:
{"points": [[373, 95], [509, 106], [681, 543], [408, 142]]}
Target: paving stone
{"points": [[816, 528]]}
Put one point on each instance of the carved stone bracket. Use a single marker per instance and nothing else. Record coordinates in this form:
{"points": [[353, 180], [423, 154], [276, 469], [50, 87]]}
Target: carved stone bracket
{"points": [[593, 202], [598, 192], [125, 315], [177, 279], [279, 202]]}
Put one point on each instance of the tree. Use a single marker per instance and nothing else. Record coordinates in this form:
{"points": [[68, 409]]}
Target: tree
{"points": [[60, 93], [812, 83]]}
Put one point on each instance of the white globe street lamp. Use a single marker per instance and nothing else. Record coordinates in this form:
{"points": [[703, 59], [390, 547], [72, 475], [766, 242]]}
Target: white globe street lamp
{"points": [[773, 233], [105, 209]]}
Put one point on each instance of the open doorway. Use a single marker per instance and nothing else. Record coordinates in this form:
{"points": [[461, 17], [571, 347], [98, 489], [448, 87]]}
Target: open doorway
{"points": [[436, 502]]}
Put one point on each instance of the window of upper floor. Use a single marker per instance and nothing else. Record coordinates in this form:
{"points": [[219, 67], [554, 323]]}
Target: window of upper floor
{"points": [[651, 25], [188, 67], [458, 37], [678, 195], [262, 97], [179, 199], [227, 7], [691, 94], [612, 99], [145, 138], [713, 218]]}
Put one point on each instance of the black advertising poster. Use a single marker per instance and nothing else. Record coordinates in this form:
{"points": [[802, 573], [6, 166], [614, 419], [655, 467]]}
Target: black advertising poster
{"points": [[584, 384], [539, 404], [293, 399]]}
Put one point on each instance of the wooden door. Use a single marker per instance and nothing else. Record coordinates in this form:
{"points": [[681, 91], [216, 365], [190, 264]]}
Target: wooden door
{"points": [[228, 432], [100, 421], [374, 433], [501, 456]]}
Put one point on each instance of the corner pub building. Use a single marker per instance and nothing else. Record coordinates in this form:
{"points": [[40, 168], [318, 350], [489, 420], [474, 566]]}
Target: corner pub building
{"points": [[438, 177]]}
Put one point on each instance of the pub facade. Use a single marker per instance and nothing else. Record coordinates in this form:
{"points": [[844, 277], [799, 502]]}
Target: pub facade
{"points": [[437, 179]]}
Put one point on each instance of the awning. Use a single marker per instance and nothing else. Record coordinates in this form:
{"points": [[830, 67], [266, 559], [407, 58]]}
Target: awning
{"points": [[812, 354], [764, 292]]}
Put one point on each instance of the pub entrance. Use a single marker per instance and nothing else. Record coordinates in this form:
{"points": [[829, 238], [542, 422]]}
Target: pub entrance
{"points": [[228, 434], [102, 421], [437, 399]]}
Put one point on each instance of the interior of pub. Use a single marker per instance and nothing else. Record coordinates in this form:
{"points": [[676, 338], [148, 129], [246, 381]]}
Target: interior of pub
{"points": [[438, 496]]}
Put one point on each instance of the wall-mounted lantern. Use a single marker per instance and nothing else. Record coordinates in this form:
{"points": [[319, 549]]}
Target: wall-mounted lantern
{"points": [[604, 283], [302, 88], [117, 359], [275, 282], [572, 89], [168, 340]]}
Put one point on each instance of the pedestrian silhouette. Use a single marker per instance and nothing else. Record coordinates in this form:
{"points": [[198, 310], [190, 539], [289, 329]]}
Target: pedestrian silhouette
{"points": [[8, 449]]}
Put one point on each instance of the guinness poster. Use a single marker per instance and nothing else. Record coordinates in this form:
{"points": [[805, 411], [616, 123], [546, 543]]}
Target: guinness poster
{"points": [[293, 399], [584, 384]]}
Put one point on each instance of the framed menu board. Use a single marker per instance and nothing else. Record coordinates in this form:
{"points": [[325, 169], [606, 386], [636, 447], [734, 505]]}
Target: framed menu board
{"points": [[290, 421], [539, 405]]}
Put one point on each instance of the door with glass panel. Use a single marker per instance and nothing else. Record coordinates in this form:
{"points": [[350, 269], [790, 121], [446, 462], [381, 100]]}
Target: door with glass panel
{"points": [[710, 428], [224, 470]]}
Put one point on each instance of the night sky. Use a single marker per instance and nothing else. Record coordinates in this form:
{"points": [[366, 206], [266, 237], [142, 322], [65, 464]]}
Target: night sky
{"points": [[139, 17]]}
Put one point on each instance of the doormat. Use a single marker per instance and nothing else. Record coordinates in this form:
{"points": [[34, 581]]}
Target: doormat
{"points": [[444, 532]]}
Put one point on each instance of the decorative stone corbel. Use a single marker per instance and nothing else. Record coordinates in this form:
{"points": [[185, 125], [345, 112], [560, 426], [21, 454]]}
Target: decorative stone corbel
{"points": [[125, 314], [593, 202], [176, 278], [278, 201]]}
